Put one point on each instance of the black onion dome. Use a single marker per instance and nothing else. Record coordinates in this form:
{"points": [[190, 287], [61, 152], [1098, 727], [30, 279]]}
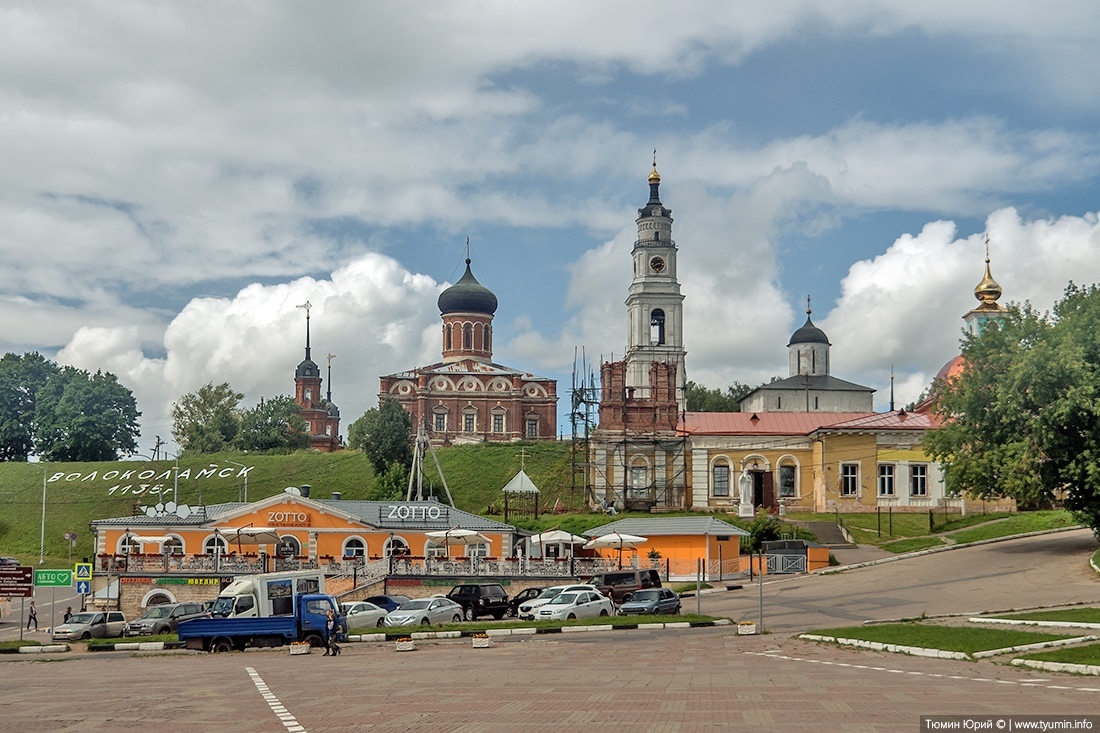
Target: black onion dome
{"points": [[467, 296], [307, 368], [808, 334]]}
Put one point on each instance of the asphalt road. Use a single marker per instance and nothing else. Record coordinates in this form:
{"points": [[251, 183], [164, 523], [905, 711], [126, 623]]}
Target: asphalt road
{"points": [[1046, 570]]}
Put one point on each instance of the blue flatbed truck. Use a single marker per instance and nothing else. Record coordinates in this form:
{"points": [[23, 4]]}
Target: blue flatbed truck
{"points": [[307, 623]]}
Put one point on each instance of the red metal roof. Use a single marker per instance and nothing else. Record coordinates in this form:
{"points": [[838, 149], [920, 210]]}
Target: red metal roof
{"points": [[800, 423]]}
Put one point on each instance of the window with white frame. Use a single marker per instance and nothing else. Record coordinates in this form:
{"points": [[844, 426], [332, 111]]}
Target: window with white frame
{"points": [[918, 479], [479, 550], [498, 423], [214, 545], [440, 422], [468, 423], [886, 479], [849, 479], [787, 487], [355, 547], [435, 550], [172, 546], [721, 479], [532, 430]]}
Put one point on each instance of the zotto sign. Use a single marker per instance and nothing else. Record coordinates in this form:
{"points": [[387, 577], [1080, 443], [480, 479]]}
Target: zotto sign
{"points": [[288, 519], [53, 578], [415, 512]]}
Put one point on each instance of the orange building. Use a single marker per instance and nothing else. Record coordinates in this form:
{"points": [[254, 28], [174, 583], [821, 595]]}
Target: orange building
{"points": [[677, 544]]}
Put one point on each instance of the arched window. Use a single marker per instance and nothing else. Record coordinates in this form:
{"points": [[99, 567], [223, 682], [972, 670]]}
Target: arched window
{"points": [[657, 326], [479, 337], [447, 337], [354, 547], [288, 546], [129, 544], [788, 478], [720, 482], [481, 549], [308, 393], [467, 336], [435, 549], [488, 338], [214, 545], [395, 546], [172, 546]]}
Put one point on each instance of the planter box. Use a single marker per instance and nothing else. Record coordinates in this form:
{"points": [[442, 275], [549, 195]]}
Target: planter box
{"points": [[482, 643], [406, 646], [299, 649], [746, 627]]}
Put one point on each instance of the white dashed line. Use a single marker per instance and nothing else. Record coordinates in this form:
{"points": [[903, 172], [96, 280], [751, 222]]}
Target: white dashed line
{"points": [[288, 720], [1021, 683]]}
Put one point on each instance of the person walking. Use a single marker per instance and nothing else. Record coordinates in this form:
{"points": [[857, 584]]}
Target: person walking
{"points": [[331, 629], [32, 616]]}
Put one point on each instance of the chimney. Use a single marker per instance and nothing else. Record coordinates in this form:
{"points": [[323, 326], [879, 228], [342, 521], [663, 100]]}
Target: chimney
{"points": [[305, 491], [337, 496]]}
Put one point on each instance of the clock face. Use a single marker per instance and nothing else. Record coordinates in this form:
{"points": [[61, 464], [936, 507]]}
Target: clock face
{"points": [[657, 264]]}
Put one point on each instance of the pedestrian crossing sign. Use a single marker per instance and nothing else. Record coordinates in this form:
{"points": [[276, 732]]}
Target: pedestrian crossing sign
{"points": [[82, 571]]}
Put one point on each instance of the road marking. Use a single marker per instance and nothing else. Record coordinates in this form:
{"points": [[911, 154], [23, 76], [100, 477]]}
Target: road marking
{"points": [[288, 720], [1021, 683]]}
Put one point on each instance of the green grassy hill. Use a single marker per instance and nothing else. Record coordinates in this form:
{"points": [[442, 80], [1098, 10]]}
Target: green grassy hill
{"points": [[475, 474]]}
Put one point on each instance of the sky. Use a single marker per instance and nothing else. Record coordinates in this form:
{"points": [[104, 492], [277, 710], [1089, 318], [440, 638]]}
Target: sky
{"points": [[177, 177]]}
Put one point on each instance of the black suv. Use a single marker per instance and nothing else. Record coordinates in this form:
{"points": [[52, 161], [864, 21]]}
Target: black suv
{"points": [[480, 599]]}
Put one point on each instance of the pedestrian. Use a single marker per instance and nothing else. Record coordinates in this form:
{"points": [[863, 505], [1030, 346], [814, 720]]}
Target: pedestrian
{"points": [[32, 615], [68, 614], [331, 630]]}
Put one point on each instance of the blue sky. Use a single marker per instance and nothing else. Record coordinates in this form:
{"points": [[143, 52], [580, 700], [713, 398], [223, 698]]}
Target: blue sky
{"points": [[179, 177]]}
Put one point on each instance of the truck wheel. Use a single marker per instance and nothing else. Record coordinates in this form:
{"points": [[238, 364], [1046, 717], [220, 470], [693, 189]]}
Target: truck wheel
{"points": [[221, 646], [468, 613], [315, 641]]}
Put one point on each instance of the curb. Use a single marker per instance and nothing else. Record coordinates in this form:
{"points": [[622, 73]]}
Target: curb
{"points": [[528, 631], [948, 548], [36, 649], [136, 646], [1089, 669], [878, 646], [1032, 647], [1030, 622]]}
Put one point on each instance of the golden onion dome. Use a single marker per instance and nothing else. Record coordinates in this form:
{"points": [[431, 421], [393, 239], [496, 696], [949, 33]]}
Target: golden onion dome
{"points": [[654, 176], [988, 291]]}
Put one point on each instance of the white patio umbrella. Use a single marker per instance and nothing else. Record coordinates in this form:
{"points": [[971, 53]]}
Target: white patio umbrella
{"points": [[615, 541], [456, 536], [254, 536], [556, 537]]}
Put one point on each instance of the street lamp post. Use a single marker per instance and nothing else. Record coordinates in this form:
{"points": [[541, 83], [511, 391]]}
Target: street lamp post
{"points": [[42, 539], [234, 463]]}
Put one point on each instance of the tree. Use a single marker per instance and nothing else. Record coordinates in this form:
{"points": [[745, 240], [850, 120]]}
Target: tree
{"points": [[392, 484], [21, 378], [701, 399], [273, 425], [207, 421], [84, 417], [1022, 419], [384, 434]]}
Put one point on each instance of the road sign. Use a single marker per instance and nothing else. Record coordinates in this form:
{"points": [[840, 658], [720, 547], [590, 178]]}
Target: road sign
{"points": [[17, 582], [53, 578], [82, 571], [83, 587]]}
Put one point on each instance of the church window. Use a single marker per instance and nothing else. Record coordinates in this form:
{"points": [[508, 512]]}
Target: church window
{"points": [[467, 336], [498, 423], [447, 337], [778, 403], [639, 480], [787, 474], [478, 337], [468, 423], [440, 422], [815, 403], [308, 393], [918, 479], [721, 479], [657, 326], [532, 430], [849, 479], [488, 338], [886, 479]]}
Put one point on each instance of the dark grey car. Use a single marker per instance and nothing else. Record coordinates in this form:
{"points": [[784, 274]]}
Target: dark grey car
{"points": [[164, 619], [651, 601]]}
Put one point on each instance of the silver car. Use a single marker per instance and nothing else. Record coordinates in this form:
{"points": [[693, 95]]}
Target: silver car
{"points": [[91, 625], [362, 614], [425, 611]]}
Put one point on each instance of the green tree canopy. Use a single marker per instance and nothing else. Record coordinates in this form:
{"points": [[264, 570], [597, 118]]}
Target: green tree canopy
{"points": [[701, 399], [85, 417], [21, 378], [273, 425], [207, 420], [1022, 419], [384, 434]]}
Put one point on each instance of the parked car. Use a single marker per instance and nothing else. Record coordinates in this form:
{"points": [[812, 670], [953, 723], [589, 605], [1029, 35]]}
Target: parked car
{"points": [[527, 594], [620, 585], [576, 604], [480, 599], [364, 613], [528, 610], [91, 625], [651, 600], [425, 611], [9, 562], [164, 619], [389, 603]]}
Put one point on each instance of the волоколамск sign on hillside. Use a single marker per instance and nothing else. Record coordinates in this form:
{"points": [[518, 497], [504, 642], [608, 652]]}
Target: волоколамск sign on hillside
{"points": [[145, 481]]}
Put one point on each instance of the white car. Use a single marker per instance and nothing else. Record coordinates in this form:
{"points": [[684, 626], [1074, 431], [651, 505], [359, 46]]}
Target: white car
{"points": [[425, 611], [362, 614], [569, 605], [527, 611]]}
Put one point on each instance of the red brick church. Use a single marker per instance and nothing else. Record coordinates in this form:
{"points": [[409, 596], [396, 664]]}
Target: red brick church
{"points": [[466, 397], [320, 414]]}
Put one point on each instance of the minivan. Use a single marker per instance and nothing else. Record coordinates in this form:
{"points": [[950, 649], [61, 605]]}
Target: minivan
{"points": [[619, 585]]}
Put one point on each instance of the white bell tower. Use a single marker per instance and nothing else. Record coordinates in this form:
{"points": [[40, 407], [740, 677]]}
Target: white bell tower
{"points": [[655, 319]]}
